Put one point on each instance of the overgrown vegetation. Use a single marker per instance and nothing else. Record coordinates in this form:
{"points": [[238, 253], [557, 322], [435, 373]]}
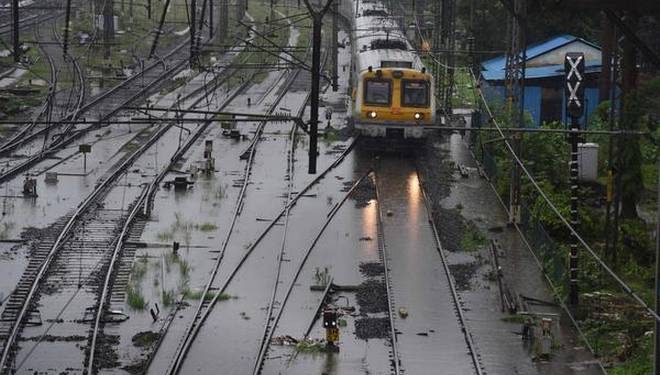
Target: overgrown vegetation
{"points": [[612, 322], [134, 297], [473, 239], [197, 294]]}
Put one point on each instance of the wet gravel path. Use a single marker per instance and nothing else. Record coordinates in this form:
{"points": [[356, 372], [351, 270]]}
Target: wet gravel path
{"points": [[463, 204]]}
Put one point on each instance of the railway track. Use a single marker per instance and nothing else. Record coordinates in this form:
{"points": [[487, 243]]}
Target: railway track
{"points": [[140, 206], [382, 249], [116, 99], [474, 356], [71, 107], [408, 239], [20, 303], [205, 306], [265, 343]]}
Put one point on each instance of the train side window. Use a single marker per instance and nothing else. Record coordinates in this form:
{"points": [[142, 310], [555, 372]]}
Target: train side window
{"points": [[377, 92], [415, 93]]}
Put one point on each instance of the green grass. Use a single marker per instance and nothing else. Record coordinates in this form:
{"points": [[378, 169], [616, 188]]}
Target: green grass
{"points": [[206, 227], [473, 239], [184, 268], [167, 297], [197, 294], [465, 95], [135, 299]]}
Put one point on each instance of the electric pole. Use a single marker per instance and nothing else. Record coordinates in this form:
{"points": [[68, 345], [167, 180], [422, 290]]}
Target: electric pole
{"points": [[210, 19], [656, 356], [193, 30], [317, 18], [515, 91], [334, 47], [15, 37], [108, 27], [67, 21], [160, 28]]}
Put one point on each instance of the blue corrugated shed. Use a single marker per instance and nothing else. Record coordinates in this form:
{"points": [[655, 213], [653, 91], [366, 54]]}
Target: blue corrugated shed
{"points": [[545, 71], [493, 69]]}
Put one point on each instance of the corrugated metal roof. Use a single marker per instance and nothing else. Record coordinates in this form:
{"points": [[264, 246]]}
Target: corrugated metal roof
{"points": [[493, 69]]}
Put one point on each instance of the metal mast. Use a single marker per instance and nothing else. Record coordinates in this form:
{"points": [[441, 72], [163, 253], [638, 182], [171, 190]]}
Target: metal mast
{"points": [[515, 93]]}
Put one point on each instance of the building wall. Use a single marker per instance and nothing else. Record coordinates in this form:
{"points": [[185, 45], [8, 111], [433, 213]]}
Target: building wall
{"points": [[495, 93]]}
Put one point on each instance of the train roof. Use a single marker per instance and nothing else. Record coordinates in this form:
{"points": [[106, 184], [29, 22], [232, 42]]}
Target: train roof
{"points": [[377, 58], [378, 39]]}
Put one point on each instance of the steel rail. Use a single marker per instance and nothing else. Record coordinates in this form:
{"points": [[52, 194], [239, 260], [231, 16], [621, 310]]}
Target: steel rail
{"points": [[250, 151], [61, 142], [15, 140], [450, 279], [66, 230], [290, 172], [137, 209], [197, 321], [396, 360], [303, 260], [65, 141], [193, 329]]}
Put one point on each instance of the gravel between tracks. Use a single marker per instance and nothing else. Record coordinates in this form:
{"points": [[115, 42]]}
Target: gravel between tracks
{"points": [[372, 328], [372, 297]]}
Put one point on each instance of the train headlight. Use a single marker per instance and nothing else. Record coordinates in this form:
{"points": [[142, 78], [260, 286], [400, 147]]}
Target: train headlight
{"points": [[419, 116], [372, 114]]}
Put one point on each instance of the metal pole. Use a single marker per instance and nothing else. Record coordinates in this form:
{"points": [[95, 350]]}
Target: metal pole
{"points": [[210, 19], [193, 29], [334, 49], [108, 27], [314, 100], [67, 21], [610, 165], [160, 28], [656, 356], [14, 12], [521, 9], [573, 263]]}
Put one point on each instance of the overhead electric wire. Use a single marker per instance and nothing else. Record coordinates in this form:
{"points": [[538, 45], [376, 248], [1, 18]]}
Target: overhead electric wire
{"points": [[566, 223]]}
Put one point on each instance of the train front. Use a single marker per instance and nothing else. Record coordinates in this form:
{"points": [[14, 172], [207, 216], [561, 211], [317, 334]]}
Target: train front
{"points": [[394, 103]]}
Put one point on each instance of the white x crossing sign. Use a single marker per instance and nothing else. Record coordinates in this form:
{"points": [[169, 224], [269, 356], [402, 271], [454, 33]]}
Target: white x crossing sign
{"points": [[574, 73]]}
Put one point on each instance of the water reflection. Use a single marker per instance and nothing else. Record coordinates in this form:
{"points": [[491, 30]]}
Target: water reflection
{"points": [[413, 198], [369, 218]]}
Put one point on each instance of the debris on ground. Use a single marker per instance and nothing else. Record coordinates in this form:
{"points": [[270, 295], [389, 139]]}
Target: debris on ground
{"points": [[285, 340], [311, 346]]}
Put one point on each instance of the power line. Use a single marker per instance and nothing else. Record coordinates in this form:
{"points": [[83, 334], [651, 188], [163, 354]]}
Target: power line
{"points": [[517, 160]]}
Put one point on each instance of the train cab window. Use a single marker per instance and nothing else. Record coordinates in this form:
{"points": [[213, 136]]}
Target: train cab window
{"points": [[415, 93], [377, 92]]}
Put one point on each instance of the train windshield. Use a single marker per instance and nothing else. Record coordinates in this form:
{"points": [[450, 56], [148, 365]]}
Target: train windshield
{"points": [[415, 93], [377, 92]]}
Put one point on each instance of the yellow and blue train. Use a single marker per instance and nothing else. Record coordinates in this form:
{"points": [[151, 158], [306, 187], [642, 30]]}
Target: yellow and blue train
{"points": [[392, 93]]}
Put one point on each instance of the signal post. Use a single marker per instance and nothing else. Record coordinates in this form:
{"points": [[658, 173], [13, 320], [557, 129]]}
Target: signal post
{"points": [[574, 89]]}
